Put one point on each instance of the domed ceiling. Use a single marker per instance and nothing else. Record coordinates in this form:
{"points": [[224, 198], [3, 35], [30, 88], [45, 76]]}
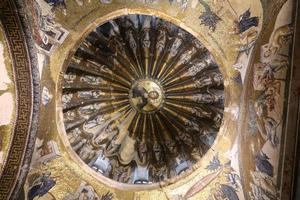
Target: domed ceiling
{"points": [[142, 100], [114, 99]]}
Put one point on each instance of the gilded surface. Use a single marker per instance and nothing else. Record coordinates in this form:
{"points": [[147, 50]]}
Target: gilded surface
{"points": [[243, 162], [19, 151]]}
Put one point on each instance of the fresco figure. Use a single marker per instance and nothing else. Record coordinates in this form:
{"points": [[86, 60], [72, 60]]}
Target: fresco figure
{"points": [[208, 17], [246, 21], [263, 164], [41, 186], [224, 192], [58, 4]]}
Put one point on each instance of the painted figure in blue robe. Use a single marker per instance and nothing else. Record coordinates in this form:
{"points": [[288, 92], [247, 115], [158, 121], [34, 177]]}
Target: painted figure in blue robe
{"points": [[228, 192], [214, 164], [58, 4], [208, 17], [263, 164], [55, 2], [41, 186], [224, 192], [246, 22]]}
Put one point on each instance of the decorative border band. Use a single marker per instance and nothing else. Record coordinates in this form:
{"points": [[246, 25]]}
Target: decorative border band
{"points": [[28, 97]]}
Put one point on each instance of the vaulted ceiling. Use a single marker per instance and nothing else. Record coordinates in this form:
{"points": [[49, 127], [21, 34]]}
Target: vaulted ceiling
{"points": [[150, 99]]}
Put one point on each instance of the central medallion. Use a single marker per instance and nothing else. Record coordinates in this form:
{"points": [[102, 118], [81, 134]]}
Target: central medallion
{"points": [[146, 96]]}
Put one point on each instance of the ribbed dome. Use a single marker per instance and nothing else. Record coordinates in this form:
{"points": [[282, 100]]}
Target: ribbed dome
{"points": [[142, 100]]}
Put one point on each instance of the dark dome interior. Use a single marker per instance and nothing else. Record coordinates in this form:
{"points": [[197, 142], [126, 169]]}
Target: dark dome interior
{"points": [[142, 100]]}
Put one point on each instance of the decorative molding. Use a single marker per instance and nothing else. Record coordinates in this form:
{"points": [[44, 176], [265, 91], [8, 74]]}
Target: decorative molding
{"points": [[26, 81]]}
